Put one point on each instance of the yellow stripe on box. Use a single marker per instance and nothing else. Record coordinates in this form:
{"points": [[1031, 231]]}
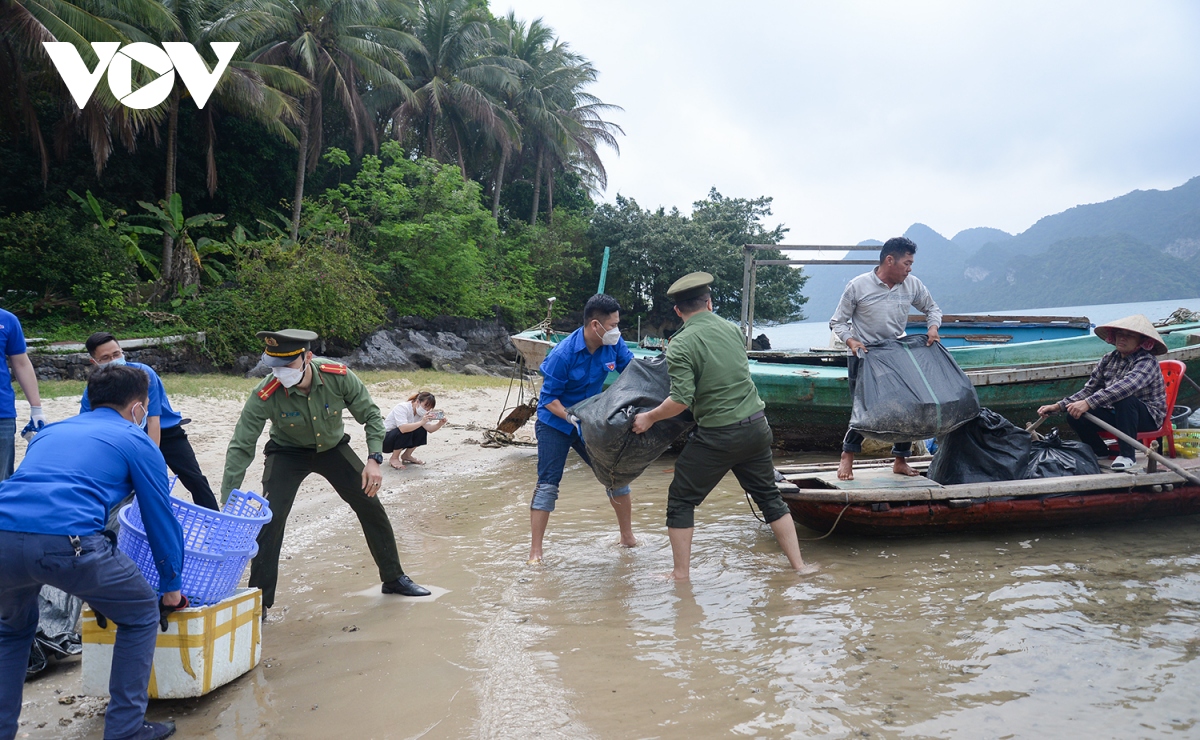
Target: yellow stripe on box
{"points": [[184, 640]]}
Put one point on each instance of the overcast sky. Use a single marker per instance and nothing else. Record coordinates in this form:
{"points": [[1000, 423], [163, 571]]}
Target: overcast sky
{"points": [[860, 118]]}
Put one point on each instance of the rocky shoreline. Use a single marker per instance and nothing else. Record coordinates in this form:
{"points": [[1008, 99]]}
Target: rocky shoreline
{"points": [[446, 343]]}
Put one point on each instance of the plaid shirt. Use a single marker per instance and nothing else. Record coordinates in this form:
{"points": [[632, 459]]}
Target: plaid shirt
{"points": [[1117, 377]]}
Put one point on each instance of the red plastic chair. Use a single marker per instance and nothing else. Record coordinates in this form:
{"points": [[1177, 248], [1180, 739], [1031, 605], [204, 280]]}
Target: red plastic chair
{"points": [[1172, 371]]}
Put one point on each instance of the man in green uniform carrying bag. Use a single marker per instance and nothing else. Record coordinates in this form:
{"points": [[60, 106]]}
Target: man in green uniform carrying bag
{"points": [[711, 376], [303, 399]]}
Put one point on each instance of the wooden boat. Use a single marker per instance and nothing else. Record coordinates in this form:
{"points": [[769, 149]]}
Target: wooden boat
{"points": [[808, 398], [882, 504]]}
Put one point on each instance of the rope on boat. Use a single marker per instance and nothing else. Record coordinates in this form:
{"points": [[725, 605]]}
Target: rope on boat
{"points": [[750, 503], [835, 523]]}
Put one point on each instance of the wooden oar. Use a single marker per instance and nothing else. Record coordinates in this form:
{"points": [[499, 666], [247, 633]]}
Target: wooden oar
{"points": [[1139, 446], [1032, 426]]}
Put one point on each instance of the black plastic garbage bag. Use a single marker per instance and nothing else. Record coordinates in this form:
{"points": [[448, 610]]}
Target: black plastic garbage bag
{"points": [[1054, 457], [606, 422], [987, 448], [907, 390], [57, 631]]}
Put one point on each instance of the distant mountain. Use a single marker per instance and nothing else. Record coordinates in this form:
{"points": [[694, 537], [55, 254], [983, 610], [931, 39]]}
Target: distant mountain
{"points": [[1141, 246], [1084, 270], [973, 239]]}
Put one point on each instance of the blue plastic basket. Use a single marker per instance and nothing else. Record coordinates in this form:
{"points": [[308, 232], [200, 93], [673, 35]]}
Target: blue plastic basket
{"points": [[234, 528], [207, 577]]}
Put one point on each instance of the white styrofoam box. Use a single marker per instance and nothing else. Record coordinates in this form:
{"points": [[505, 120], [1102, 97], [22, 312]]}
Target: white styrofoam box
{"points": [[203, 648]]}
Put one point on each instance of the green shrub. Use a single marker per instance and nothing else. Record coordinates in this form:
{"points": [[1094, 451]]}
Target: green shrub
{"points": [[315, 285], [55, 266]]}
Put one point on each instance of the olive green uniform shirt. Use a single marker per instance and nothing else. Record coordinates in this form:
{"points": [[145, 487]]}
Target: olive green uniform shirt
{"points": [[710, 373], [312, 421]]}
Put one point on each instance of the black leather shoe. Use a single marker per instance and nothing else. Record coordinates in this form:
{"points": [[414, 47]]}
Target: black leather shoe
{"points": [[154, 731], [405, 587]]}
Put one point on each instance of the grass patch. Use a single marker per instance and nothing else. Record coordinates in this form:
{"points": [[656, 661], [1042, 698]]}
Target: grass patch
{"points": [[215, 385]]}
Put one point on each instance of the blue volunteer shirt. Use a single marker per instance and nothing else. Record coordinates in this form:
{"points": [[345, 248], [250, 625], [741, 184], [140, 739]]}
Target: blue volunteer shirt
{"points": [[75, 471], [12, 341], [158, 405], [573, 374]]}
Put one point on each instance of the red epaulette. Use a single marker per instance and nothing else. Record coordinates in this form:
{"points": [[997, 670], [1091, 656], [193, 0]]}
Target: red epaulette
{"points": [[269, 388], [334, 368]]}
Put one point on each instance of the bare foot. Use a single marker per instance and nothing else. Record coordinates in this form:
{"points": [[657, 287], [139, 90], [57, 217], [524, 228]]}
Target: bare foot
{"points": [[807, 569], [846, 467], [628, 542], [676, 576], [396, 464], [412, 461], [901, 468], [534, 559]]}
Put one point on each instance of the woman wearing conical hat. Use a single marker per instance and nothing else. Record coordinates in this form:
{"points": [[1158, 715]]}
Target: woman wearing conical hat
{"points": [[1126, 388]]}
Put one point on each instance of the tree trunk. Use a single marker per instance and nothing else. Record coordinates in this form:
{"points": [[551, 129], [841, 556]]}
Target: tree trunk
{"points": [[537, 190], [461, 163], [301, 167], [432, 154], [498, 184], [168, 247], [550, 194]]}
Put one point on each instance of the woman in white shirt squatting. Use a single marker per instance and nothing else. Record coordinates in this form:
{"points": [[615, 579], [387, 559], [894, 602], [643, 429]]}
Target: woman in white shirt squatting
{"points": [[408, 427]]}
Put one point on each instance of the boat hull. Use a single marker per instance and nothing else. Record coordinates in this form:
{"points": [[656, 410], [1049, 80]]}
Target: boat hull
{"points": [[936, 517]]}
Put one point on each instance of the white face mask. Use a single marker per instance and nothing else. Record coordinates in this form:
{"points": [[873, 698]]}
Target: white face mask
{"points": [[145, 414], [114, 361], [610, 337], [288, 376]]}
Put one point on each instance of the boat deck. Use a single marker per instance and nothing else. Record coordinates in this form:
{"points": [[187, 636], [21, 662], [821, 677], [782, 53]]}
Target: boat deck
{"points": [[875, 482]]}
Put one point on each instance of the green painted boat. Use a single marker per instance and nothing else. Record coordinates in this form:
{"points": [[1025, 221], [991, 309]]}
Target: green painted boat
{"points": [[808, 400]]}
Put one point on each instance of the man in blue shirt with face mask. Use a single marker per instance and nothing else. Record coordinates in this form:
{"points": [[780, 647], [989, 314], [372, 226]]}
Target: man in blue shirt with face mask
{"points": [[52, 517], [574, 370], [163, 424]]}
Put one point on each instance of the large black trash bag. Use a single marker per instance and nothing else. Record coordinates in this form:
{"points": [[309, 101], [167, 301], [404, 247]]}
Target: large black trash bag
{"points": [[987, 448], [907, 390], [57, 631], [606, 423], [1054, 457]]}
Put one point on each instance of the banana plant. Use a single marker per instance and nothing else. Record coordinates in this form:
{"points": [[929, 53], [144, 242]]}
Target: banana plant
{"points": [[188, 255]]}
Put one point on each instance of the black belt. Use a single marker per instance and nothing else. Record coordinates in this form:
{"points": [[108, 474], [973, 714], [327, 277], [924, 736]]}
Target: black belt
{"points": [[753, 417]]}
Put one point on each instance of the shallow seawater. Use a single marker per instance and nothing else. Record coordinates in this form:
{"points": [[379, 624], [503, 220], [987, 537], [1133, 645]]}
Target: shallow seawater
{"points": [[1066, 633], [1060, 633]]}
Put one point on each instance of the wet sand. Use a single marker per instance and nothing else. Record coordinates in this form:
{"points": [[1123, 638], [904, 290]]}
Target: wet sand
{"points": [[1064, 633]]}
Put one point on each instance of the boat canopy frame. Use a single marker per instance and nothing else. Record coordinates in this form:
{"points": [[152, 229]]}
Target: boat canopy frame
{"points": [[750, 272]]}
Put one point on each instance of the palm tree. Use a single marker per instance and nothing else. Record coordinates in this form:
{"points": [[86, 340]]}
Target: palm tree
{"points": [[260, 92], [581, 130], [341, 48], [456, 80]]}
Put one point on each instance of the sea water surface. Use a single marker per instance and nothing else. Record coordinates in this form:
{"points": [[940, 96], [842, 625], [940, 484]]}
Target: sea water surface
{"points": [[815, 331]]}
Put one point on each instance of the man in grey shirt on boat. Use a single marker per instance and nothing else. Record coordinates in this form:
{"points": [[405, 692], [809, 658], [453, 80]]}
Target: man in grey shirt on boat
{"points": [[874, 308]]}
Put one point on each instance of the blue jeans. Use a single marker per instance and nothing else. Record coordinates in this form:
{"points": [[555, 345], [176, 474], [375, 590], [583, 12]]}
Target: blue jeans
{"points": [[553, 447], [8, 447], [104, 577]]}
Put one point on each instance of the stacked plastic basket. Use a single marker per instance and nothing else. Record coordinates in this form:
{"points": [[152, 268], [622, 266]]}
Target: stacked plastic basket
{"points": [[217, 545]]}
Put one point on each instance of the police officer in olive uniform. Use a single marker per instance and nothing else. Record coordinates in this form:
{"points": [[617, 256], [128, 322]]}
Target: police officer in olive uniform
{"points": [[711, 376], [303, 399]]}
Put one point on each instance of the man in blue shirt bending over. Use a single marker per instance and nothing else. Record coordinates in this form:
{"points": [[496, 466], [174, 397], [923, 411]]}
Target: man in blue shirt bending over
{"points": [[52, 517], [574, 370], [164, 424]]}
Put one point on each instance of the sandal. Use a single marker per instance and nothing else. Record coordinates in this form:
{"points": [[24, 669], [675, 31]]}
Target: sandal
{"points": [[412, 461], [1122, 464]]}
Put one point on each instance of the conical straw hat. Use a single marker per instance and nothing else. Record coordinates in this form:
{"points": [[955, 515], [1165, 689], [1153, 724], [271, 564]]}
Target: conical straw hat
{"points": [[1136, 323]]}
